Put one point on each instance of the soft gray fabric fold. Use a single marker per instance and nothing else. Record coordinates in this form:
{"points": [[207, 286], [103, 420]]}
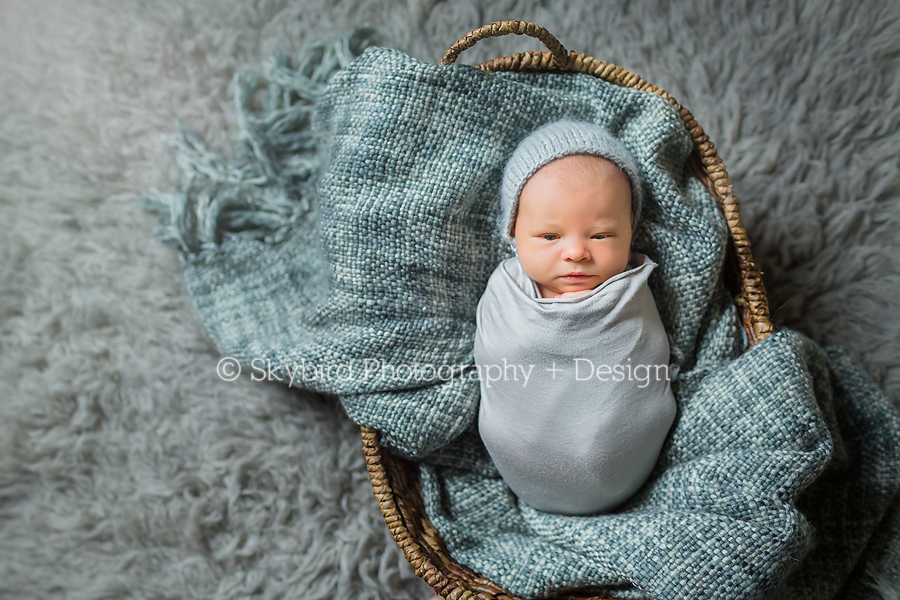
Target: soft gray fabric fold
{"points": [[575, 393]]}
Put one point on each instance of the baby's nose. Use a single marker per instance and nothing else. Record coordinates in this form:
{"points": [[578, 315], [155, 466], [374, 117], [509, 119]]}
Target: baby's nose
{"points": [[575, 250]]}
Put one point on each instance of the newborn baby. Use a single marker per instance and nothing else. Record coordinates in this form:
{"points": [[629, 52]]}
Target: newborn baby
{"points": [[573, 357]]}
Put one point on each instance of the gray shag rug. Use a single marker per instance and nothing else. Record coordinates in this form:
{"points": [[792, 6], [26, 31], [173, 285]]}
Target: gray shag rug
{"points": [[129, 469]]}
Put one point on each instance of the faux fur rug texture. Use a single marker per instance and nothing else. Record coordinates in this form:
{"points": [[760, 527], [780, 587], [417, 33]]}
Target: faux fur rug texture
{"points": [[129, 469]]}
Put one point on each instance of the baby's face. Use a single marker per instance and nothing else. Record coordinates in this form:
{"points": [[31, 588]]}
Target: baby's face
{"points": [[573, 226]]}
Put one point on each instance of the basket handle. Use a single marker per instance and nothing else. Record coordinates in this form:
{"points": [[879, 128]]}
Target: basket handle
{"points": [[560, 57]]}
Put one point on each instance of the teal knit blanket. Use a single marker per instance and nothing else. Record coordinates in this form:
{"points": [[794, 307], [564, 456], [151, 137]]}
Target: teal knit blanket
{"points": [[346, 250]]}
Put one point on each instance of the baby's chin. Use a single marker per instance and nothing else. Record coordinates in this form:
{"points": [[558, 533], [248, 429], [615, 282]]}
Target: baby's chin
{"points": [[575, 293], [547, 292]]}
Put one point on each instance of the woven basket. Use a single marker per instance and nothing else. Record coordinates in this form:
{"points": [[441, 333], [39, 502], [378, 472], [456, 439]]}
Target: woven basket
{"points": [[394, 480]]}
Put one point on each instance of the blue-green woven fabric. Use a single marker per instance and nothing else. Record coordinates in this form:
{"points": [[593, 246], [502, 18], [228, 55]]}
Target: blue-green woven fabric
{"points": [[351, 262]]}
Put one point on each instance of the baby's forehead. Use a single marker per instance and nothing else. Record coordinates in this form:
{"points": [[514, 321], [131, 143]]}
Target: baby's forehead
{"points": [[580, 170], [583, 163]]}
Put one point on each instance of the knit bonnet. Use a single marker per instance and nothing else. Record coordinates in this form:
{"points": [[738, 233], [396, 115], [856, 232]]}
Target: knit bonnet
{"points": [[556, 140]]}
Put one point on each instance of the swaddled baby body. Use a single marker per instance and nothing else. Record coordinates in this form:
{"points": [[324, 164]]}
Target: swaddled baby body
{"points": [[575, 395]]}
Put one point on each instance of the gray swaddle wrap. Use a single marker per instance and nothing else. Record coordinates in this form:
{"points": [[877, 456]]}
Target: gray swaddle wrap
{"points": [[575, 395]]}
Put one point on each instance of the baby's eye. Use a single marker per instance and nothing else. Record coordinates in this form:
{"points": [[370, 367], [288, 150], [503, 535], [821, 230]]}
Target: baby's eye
{"points": [[599, 236], [549, 236]]}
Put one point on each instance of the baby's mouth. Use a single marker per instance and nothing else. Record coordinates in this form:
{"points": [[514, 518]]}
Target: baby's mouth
{"points": [[576, 276]]}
